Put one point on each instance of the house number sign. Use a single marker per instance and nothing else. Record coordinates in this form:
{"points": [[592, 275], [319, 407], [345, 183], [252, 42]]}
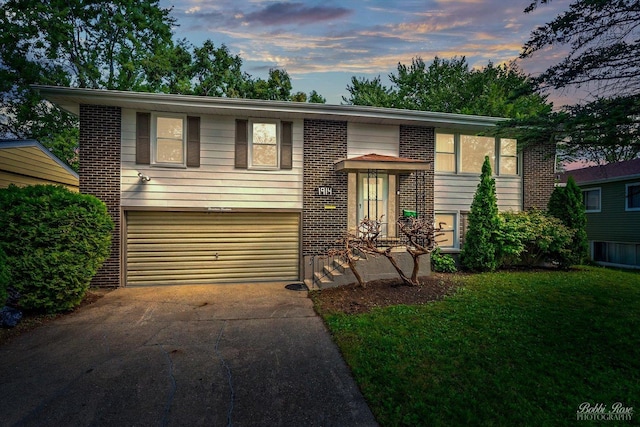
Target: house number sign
{"points": [[325, 191]]}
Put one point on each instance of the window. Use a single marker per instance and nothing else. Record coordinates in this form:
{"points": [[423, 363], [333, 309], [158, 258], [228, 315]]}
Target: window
{"points": [[448, 223], [617, 253], [591, 199], [632, 197], [264, 144], [445, 153], [508, 156], [473, 150], [466, 153], [169, 142]]}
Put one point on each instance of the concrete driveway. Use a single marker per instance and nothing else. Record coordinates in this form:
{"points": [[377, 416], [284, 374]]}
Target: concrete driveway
{"points": [[241, 355]]}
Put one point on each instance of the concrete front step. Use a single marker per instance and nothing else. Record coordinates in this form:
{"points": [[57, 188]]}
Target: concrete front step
{"points": [[372, 268]]}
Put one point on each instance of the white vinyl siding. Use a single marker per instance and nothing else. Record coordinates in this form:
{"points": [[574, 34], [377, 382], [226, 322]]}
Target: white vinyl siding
{"points": [[173, 248], [216, 183], [455, 192], [363, 138]]}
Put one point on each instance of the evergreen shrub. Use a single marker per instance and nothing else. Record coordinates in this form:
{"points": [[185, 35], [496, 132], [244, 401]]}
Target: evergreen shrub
{"points": [[480, 250], [55, 241]]}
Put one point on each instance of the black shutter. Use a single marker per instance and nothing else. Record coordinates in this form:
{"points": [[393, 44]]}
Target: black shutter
{"points": [[143, 138], [193, 142], [242, 144], [286, 146]]}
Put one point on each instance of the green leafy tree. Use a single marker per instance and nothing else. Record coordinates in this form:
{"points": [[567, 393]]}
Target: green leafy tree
{"points": [[566, 204], [370, 92], [217, 72], [480, 249], [451, 86], [91, 44], [602, 38], [316, 98]]}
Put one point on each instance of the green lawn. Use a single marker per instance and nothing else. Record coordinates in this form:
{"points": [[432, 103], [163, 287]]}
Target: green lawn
{"points": [[514, 348]]}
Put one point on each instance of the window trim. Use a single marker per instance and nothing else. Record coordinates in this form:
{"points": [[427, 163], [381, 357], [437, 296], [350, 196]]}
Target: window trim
{"points": [[626, 197], [154, 140], [278, 124], [587, 210]]}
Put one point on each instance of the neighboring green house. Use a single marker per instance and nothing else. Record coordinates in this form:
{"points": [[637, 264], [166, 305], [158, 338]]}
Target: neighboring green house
{"points": [[611, 194]]}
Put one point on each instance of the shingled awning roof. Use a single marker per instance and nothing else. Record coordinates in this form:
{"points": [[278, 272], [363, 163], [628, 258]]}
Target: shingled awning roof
{"points": [[381, 162]]}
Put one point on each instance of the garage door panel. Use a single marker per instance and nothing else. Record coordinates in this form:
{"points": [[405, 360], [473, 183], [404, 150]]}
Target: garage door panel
{"points": [[200, 248]]}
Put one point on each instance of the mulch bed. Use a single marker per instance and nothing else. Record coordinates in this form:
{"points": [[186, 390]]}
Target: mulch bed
{"points": [[353, 299], [32, 320]]}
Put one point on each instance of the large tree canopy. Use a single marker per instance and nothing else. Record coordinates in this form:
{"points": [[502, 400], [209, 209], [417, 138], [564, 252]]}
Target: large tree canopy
{"points": [[603, 37], [452, 86], [83, 43], [116, 44], [603, 42]]}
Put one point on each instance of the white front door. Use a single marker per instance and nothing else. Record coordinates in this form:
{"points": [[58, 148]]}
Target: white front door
{"points": [[373, 198]]}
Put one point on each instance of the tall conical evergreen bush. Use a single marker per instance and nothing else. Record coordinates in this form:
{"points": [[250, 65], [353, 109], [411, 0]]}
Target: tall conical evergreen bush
{"points": [[480, 250], [566, 205]]}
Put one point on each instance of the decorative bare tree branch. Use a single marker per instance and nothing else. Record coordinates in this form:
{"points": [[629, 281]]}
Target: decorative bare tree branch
{"points": [[420, 233]]}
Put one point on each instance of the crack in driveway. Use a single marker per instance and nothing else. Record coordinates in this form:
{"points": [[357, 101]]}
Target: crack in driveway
{"points": [[229, 376]]}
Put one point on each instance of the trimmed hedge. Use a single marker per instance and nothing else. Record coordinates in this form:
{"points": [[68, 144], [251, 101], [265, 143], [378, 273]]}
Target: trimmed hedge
{"points": [[55, 241]]}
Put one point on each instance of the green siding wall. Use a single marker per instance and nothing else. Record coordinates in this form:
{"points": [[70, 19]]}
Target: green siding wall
{"points": [[613, 223]]}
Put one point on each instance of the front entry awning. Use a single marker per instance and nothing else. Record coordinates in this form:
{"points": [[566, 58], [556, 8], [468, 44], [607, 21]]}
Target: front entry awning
{"points": [[383, 163]]}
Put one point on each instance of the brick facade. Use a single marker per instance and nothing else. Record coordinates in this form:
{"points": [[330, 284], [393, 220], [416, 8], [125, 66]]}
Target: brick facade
{"points": [[538, 176], [324, 218], [100, 130], [416, 193]]}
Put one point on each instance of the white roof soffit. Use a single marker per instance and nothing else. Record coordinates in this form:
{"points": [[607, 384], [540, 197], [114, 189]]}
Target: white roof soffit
{"points": [[70, 99]]}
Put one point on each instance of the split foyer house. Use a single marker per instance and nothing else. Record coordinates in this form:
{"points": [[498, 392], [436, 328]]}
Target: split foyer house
{"points": [[611, 195], [214, 190]]}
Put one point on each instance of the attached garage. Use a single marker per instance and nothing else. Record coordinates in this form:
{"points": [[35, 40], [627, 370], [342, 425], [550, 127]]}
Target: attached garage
{"points": [[174, 248]]}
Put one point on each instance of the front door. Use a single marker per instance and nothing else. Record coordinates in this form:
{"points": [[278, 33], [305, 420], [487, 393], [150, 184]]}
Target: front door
{"points": [[373, 197]]}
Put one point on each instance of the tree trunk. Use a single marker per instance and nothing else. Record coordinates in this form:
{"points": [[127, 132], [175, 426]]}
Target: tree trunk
{"points": [[352, 266], [404, 278]]}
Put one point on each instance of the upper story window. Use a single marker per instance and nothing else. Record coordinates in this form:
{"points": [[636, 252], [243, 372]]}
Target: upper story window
{"points": [[169, 142], [263, 138], [591, 199], [508, 156], [633, 197], [164, 139], [445, 152], [263, 144], [473, 150], [466, 153]]}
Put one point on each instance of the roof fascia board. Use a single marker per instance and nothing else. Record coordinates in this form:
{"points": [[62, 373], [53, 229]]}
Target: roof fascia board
{"points": [[606, 180], [71, 98]]}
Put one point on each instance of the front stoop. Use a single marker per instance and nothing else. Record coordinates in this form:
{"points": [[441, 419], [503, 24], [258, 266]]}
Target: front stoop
{"points": [[371, 268]]}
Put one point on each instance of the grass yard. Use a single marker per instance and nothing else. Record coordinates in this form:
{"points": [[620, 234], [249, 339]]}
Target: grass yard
{"points": [[507, 349]]}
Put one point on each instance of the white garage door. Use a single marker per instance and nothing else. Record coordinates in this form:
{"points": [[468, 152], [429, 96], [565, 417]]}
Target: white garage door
{"points": [[166, 248]]}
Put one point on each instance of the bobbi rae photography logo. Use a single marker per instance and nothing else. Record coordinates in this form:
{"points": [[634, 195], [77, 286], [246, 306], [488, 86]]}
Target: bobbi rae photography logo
{"points": [[601, 412]]}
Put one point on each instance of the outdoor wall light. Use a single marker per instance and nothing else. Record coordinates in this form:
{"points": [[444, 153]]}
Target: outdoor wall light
{"points": [[143, 177]]}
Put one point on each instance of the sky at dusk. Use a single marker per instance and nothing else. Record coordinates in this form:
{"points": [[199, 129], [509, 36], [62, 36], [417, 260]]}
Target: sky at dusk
{"points": [[322, 44]]}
